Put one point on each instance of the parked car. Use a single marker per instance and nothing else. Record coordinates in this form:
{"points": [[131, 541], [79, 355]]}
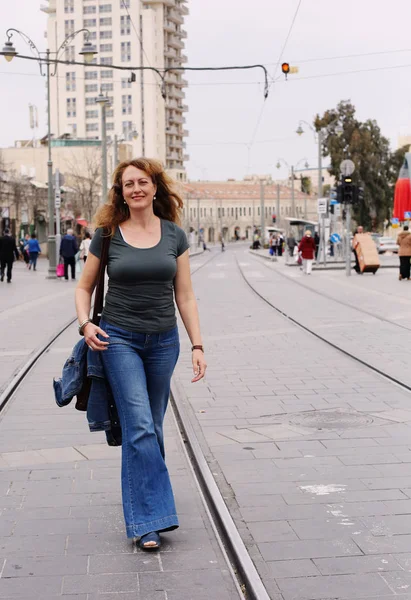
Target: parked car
{"points": [[386, 244]]}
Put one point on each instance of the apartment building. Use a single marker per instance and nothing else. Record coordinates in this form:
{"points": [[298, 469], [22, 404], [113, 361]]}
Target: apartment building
{"points": [[129, 34]]}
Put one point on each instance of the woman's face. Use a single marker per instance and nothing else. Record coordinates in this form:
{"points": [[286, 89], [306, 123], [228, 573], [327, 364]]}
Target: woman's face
{"points": [[138, 188]]}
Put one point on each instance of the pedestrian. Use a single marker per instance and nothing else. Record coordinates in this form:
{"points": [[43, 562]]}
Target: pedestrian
{"points": [[222, 245], [22, 244], [205, 246], [33, 248], [68, 250], [85, 245], [280, 244], [148, 266], [404, 252], [8, 251], [360, 229], [307, 249], [291, 244]]}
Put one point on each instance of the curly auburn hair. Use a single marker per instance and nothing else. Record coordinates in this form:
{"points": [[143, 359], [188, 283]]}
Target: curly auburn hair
{"points": [[167, 205]]}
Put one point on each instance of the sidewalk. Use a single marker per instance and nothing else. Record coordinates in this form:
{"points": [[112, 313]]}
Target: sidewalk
{"points": [[310, 449], [61, 526]]}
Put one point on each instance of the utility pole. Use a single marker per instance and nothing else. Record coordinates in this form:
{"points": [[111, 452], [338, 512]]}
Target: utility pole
{"points": [[115, 151], [348, 241], [262, 221], [51, 239], [277, 210], [198, 222], [57, 204], [292, 193], [103, 101]]}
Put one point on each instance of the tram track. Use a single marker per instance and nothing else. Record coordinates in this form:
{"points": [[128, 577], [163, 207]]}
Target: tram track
{"points": [[330, 297], [244, 574], [311, 331]]}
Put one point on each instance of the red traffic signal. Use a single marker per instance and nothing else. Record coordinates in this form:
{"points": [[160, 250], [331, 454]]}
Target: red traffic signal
{"points": [[285, 67]]}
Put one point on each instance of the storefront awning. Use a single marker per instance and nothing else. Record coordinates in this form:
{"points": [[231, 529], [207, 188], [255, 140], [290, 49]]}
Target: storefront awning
{"points": [[82, 222]]}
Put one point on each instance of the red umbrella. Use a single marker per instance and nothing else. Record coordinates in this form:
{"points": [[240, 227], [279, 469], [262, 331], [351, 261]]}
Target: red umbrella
{"points": [[402, 195]]}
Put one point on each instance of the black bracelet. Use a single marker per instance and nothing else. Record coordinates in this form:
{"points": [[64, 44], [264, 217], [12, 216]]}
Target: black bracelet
{"points": [[197, 348]]}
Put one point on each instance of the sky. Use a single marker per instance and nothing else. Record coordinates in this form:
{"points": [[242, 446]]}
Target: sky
{"points": [[233, 132]]}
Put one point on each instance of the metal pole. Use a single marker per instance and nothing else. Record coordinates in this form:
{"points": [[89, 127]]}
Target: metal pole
{"points": [[198, 222], [277, 210], [348, 242], [143, 123], [262, 221], [320, 164], [115, 151], [292, 193], [57, 201], [51, 240], [104, 153]]}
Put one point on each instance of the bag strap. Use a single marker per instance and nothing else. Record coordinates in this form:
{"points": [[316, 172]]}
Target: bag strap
{"points": [[99, 295]]}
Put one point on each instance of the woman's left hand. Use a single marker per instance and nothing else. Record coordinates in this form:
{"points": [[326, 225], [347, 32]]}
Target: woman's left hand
{"points": [[199, 365]]}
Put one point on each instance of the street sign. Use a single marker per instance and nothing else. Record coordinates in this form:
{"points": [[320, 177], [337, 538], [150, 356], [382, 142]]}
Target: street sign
{"points": [[407, 216], [335, 238], [347, 167], [57, 199], [395, 222], [322, 206]]}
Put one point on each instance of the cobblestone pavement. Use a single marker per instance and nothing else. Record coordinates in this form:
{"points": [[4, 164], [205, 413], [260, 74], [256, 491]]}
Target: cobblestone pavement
{"points": [[311, 450], [61, 527]]}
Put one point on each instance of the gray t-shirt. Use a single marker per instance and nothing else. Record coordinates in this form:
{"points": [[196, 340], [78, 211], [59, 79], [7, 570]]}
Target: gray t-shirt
{"points": [[140, 295]]}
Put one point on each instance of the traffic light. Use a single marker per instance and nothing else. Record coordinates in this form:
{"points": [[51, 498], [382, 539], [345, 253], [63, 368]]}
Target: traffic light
{"points": [[359, 195], [285, 67], [274, 218], [348, 190]]}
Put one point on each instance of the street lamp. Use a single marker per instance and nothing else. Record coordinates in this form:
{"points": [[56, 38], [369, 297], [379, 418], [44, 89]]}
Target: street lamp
{"points": [[292, 169], [44, 58]]}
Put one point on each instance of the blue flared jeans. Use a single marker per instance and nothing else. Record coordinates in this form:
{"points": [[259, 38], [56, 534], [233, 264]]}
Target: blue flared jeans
{"points": [[139, 367]]}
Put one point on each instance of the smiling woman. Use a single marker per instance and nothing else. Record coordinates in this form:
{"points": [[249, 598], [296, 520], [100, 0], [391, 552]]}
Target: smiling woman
{"points": [[148, 268]]}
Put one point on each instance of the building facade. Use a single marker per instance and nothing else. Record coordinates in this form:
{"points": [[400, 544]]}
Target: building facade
{"points": [[233, 208], [129, 34]]}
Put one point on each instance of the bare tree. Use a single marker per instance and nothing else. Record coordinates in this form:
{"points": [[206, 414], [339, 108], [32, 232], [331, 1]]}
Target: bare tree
{"points": [[84, 177]]}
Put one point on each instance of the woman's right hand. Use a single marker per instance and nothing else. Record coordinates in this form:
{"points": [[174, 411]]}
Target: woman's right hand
{"points": [[90, 335]]}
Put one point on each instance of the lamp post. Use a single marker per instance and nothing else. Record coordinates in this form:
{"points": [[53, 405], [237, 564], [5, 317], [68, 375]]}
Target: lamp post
{"points": [[292, 169], [104, 102], [44, 58], [319, 137]]}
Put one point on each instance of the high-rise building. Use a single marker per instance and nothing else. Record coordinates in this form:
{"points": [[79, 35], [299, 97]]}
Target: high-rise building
{"points": [[126, 33]]}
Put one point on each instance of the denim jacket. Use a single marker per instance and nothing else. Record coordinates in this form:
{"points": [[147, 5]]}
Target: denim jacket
{"points": [[101, 408]]}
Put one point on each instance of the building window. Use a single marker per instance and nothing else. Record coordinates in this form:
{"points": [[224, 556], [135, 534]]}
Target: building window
{"points": [[71, 107], [249, 211], [105, 8], [74, 129], [232, 211], [258, 211], [105, 35], [68, 27], [91, 114], [90, 101], [218, 212], [90, 36], [90, 23], [107, 87], [223, 211], [125, 51], [71, 82], [89, 10], [110, 113], [91, 75], [124, 3], [93, 87], [211, 212], [125, 83], [68, 6], [125, 25], [126, 104], [205, 212], [106, 74], [105, 21], [106, 47], [106, 60], [91, 126], [241, 212], [110, 126], [127, 129]]}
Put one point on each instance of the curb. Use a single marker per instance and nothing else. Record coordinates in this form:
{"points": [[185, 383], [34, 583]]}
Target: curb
{"points": [[329, 267]]}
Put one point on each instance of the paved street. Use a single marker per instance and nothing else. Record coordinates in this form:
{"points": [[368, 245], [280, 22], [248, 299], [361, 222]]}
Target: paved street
{"points": [[311, 450]]}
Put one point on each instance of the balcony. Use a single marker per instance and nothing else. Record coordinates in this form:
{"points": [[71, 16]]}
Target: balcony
{"points": [[175, 16], [184, 10], [175, 143], [172, 130], [181, 82], [174, 42], [186, 133], [49, 9], [186, 157], [173, 156], [184, 107], [176, 119]]}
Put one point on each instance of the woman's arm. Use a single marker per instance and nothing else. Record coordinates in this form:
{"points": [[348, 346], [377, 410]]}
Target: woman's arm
{"points": [[84, 291], [187, 307]]}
